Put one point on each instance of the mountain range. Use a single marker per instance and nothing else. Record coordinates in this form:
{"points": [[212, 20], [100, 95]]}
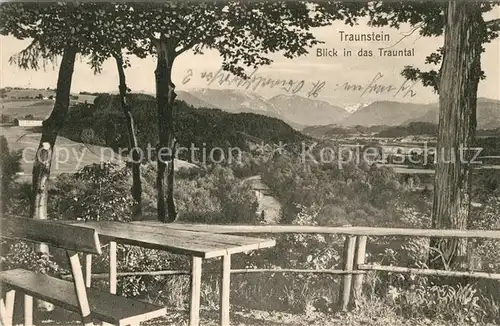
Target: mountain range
{"points": [[488, 114], [297, 111], [301, 112]]}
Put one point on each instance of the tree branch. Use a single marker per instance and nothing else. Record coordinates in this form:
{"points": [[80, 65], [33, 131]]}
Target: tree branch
{"points": [[406, 35], [493, 23], [30, 56], [187, 47]]}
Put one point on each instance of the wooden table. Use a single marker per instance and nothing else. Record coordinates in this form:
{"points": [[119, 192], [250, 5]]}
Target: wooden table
{"points": [[196, 244]]}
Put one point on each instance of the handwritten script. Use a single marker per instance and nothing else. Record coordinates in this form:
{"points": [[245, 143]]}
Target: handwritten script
{"points": [[254, 81]]}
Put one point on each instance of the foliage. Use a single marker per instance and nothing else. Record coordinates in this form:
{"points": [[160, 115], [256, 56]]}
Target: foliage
{"points": [[429, 20], [243, 33], [96, 192], [211, 195], [489, 145], [20, 254], [10, 164], [356, 194], [97, 30]]}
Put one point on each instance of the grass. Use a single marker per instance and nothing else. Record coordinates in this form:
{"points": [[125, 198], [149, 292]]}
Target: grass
{"points": [[376, 314], [72, 155]]}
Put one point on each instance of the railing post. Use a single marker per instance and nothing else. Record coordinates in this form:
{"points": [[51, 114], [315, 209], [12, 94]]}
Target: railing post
{"points": [[112, 267], [360, 259], [349, 250]]}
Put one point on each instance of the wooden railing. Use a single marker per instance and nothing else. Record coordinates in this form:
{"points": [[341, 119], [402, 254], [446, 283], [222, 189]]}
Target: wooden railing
{"points": [[354, 266]]}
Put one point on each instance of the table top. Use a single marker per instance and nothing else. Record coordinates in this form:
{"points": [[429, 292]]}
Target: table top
{"points": [[194, 243]]}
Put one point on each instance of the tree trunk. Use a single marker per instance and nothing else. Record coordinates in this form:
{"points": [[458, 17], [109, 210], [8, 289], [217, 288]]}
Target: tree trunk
{"points": [[459, 79], [50, 130], [45, 151], [136, 189], [165, 97]]}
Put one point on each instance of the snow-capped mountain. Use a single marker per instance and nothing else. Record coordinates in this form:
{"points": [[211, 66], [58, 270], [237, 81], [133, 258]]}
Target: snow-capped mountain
{"points": [[356, 107]]}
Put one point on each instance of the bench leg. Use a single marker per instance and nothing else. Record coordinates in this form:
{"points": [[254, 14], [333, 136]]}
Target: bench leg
{"points": [[225, 289], [28, 310], [80, 289], [194, 309], [7, 308]]}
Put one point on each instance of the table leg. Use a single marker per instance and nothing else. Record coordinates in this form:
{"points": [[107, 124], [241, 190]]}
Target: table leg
{"points": [[113, 267], [194, 309], [88, 270], [225, 290]]}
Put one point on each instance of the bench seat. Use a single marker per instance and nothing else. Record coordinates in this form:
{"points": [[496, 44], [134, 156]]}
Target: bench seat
{"points": [[110, 308]]}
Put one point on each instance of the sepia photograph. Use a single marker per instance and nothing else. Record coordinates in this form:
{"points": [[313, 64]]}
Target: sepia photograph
{"points": [[250, 163]]}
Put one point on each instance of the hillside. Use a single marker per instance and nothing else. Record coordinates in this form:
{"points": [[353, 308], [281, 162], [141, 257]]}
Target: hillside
{"points": [[103, 124], [192, 100], [307, 111], [488, 114], [71, 155], [235, 101], [296, 111], [386, 113]]}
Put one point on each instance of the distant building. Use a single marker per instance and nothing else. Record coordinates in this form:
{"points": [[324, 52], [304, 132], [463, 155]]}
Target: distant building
{"points": [[269, 208], [259, 187], [29, 123], [407, 139]]}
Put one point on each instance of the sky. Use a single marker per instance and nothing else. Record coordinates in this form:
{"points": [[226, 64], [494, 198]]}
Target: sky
{"points": [[337, 73]]}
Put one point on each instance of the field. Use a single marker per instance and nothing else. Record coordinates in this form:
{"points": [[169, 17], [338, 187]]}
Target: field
{"points": [[70, 156], [18, 103]]}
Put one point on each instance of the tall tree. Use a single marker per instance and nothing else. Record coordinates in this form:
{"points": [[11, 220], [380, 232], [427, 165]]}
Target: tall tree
{"points": [[243, 33], [99, 43], [456, 82], [55, 30], [110, 42], [44, 25], [465, 32], [136, 188]]}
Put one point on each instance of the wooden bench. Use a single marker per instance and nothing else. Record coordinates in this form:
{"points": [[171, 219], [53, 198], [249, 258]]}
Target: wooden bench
{"points": [[91, 304]]}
